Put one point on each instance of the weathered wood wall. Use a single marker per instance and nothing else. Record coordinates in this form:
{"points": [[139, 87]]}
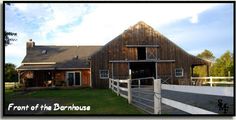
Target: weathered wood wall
{"points": [[141, 34]]}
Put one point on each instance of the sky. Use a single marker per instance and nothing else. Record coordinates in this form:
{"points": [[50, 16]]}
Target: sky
{"points": [[192, 26]]}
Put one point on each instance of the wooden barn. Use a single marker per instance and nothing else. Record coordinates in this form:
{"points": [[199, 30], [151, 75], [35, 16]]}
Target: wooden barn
{"points": [[141, 49], [56, 65], [145, 52]]}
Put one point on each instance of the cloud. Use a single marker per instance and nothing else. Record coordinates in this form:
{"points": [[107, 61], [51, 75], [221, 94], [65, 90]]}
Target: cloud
{"points": [[109, 20], [62, 14], [22, 6], [89, 24], [194, 19]]}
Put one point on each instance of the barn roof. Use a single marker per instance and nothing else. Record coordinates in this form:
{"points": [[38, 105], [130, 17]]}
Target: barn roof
{"points": [[57, 57]]}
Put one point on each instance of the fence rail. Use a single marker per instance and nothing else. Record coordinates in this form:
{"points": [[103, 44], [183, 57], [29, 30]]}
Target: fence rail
{"points": [[206, 90], [218, 91], [211, 80], [119, 88], [11, 84], [185, 107]]}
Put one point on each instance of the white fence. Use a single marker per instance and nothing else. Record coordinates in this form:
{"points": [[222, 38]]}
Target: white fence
{"points": [[9, 85], [206, 90], [117, 88], [210, 80], [114, 84]]}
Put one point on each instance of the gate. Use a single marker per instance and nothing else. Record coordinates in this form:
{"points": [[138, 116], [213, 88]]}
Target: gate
{"points": [[143, 93]]}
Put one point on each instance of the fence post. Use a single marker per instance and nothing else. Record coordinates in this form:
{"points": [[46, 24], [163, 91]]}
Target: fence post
{"points": [[129, 87], [118, 87], [139, 83], [109, 83], [129, 91], [211, 81], [112, 84], [157, 96]]}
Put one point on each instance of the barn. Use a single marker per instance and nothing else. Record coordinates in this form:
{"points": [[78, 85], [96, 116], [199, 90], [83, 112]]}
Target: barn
{"points": [[147, 53], [139, 49]]}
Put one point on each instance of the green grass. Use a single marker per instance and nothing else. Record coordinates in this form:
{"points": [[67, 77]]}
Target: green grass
{"points": [[102, 101]]}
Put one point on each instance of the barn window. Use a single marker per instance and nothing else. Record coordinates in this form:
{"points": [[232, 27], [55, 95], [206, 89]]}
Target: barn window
{"points": [[141, 53], [104, 74], [151, 53], [179, 72]]}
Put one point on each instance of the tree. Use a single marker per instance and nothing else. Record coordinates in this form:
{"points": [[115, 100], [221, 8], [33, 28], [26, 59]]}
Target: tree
{"points": [[224, 65], [207, 55], [8, 34], [8, 39], [10, 73], [201, 70]]}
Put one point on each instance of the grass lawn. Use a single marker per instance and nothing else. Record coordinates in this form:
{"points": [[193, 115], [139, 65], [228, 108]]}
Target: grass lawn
{"points": [[101, 101]]}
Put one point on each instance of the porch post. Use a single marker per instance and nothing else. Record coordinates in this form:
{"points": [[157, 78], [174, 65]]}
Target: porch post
{"points": [[192, 66], [208, 71], [18, 76], [156, 69], [171, 72]]}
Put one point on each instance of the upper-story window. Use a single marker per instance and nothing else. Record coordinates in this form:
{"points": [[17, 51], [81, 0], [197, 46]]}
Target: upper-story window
{"points": [[151, 53], [141, 53]]}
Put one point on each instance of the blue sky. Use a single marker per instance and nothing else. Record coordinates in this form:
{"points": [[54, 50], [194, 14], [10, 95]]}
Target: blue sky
{"points": [[193, 27]]}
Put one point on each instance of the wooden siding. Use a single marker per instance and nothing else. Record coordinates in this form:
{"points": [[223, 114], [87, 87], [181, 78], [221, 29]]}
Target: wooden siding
{"points": [[60, 75], [141, 34], [85, 78]]}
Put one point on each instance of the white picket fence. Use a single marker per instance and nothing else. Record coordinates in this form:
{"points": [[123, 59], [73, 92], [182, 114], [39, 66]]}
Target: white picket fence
{"points": [[210, 80], [114, 84]]}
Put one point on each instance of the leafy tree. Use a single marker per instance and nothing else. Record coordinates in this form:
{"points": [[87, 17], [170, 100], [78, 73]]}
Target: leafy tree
{"points": [[10, 73], [201, 70], [7, 34], [8, 39], [224, 65], [207, 55]]}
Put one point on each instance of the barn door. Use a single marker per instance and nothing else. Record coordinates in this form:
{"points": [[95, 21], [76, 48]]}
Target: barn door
{"points": [[151, 53]]}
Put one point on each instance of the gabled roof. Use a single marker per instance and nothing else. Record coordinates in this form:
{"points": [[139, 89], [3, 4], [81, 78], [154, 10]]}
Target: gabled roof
{"points": [[140, 27], [57, 57]]}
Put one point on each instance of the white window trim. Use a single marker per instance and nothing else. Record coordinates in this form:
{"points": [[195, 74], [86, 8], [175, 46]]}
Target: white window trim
{"points": [[100, 75], [181, 74], [67, 76]]}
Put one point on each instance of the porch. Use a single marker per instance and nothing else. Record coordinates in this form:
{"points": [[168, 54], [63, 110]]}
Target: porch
{"points": [[54, 78]]}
